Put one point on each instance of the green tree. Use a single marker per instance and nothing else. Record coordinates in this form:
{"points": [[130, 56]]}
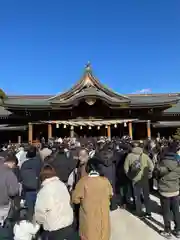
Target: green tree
{"points": [[2, 96], [176, 136]]}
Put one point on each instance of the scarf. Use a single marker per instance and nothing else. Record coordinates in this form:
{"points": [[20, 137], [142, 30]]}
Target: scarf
{"points": [[93, 174]]}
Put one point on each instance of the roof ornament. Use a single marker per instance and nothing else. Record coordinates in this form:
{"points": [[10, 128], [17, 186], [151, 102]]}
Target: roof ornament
{"points": [[88, 67], [87, 77]]}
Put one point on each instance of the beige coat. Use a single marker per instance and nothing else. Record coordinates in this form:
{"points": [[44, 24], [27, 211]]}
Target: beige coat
{"points": [[93, 193]]}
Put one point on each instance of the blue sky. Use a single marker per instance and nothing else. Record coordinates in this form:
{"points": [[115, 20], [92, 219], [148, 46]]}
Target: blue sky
{"points": [[132, 44]]}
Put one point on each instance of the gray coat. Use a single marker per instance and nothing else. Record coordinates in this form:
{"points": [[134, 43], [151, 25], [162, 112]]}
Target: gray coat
{"points": [[9, 186]]}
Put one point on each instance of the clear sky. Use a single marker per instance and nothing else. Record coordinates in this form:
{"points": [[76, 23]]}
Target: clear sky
{"points": [[132, 44]]}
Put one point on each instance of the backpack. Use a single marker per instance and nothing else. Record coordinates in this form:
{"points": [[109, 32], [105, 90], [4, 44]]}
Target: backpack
{"points": [[135, 167], [30, 181]]}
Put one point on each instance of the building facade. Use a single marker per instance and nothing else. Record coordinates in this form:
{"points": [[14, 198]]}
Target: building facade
{"points": [[88, 108]]}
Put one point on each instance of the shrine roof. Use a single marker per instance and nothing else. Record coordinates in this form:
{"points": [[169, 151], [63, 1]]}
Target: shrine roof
{"points": [[88, 88], [175, 109], [44, 100]]}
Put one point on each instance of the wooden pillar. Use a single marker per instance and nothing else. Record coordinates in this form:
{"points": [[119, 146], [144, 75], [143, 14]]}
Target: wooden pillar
{"points": [[30, 133], [19, 139], [49, 130], [130, 130], [149, 129], [72, 132], [109, 132]]}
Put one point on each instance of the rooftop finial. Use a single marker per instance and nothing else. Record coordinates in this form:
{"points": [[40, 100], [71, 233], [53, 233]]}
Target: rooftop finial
{"points": [[88, 66]]}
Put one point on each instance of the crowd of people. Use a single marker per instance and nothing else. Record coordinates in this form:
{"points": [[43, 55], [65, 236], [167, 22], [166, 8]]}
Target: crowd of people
{"points": [[66, 188]]}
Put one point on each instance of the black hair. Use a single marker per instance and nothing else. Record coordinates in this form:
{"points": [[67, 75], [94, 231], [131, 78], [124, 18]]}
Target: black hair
{"points": [[136, 144], [50, 158], [31, 152], [94, 165], [173, 147]]}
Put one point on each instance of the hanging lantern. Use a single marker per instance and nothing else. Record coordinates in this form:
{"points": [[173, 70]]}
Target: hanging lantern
{"points": [[98, 127], [81, 127], [125, 124], [72, 127], [65, 126], [57, 125], [106, 126], [90, 127], [115, 125]]}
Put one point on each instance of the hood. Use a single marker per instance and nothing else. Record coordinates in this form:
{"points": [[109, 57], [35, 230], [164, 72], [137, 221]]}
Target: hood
{"points": [[49, 180], [137, 150]]}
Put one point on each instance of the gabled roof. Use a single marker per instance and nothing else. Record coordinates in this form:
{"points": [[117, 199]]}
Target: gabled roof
{"points": [[90, 88], [154, 99]]}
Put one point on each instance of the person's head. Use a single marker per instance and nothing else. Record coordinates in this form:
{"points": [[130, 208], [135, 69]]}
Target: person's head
{"points": [[173, 147], [136, 144], [83, 156], [93, 165], [31, 152], [11, 160], [20, 148], [50, 158], [5, 146], [47, 172]]}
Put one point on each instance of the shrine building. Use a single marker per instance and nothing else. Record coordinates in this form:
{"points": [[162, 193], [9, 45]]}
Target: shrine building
{"points": [[89, 108]]}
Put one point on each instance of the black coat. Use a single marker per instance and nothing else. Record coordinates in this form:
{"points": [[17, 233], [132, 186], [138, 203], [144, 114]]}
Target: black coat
{"points": [[108, 160], [64, 165], [120, 174], [30, 172]]}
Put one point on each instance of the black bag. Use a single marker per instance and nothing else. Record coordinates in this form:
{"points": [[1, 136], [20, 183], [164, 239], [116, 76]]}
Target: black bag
{"points": [[6, 233], [135, 168]]}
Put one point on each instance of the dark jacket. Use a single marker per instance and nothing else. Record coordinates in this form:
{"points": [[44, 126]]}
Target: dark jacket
{"points": [[64, 165], [30, 172], [122, 178], [108, 160], [169, 173]]}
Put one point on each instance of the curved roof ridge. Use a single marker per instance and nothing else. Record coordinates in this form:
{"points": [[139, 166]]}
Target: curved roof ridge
{"points": [[87, 80]]}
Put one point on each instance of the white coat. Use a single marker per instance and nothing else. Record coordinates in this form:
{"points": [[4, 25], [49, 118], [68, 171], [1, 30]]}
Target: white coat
{"points": [[52, 208]]}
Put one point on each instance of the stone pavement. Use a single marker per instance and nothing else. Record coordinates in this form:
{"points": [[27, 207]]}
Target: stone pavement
{"points": [[125, 226]]}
